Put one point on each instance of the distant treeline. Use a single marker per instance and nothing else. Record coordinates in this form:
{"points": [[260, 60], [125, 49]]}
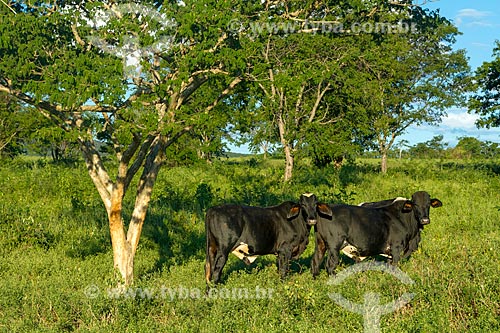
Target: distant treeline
{"points": [[466, 148]]}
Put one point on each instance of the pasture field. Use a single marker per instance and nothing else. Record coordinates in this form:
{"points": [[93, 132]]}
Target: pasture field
{"points": [[56, 270]]}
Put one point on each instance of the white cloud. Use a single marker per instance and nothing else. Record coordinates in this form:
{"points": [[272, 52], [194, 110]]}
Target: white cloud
{"points": [[460, 120], [481, 45], [458, 123], [473, 13], [473, 17], [481, 24]]}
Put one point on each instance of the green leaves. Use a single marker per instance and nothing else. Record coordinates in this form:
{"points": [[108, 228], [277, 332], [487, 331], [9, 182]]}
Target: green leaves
{"points": [[486, 102], [346, 85]]}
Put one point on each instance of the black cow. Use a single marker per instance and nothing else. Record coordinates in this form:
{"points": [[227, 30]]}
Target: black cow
{"points": [[388, 227], [249, 232], [353, 253]]}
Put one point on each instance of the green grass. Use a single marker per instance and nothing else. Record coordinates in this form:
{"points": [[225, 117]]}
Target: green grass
{"points": [[56, 262]]}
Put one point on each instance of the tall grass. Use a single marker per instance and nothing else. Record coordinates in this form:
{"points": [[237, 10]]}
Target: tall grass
{"points": [[56, 262]]}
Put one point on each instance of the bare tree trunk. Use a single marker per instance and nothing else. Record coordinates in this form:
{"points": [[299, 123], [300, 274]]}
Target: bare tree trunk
{"points": [[144, 191], [122, 253], [289, 159], [384, 145], [265, 149], [287, 146], [112, 193], [383, 164]]}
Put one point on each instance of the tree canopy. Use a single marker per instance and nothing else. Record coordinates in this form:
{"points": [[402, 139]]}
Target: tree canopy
{"points": [[378, 68], [486, 102]]}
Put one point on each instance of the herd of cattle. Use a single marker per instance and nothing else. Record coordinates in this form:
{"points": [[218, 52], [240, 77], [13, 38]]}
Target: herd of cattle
{"points": [[390, 227]]}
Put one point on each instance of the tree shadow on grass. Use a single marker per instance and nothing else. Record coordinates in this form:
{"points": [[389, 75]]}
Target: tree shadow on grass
{"points": [[353, 173], [88, 246], [177, 243]]}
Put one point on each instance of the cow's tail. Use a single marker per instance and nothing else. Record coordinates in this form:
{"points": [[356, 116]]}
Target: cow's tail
{"points": [[210, 247]]}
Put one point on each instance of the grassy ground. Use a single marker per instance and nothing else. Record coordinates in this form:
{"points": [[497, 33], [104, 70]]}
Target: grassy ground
{"points": [[56, 261]]}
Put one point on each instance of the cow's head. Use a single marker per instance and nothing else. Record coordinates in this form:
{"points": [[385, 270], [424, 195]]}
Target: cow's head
{"points": [[309, 207], [420, 204]]}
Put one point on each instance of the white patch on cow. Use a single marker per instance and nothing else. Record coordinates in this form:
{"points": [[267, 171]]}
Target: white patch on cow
{"points": [[241, 251], [352, 252], [251, 259], [308, 194], [387, 250], [396, 199]]}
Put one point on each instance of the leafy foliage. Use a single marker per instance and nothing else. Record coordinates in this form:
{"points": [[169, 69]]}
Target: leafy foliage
{"points": [[486, 102], [433, 148], [412, 78], [10, 127], [301, 63]]}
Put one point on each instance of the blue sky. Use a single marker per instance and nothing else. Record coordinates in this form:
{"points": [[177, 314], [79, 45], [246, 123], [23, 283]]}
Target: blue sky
{"points": [[479, 23]]}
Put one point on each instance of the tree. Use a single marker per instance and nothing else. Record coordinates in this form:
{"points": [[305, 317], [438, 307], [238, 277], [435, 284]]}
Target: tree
{"points": [[66, 60], [297, 70], [46, 138], [388, 66], [486, 102], [432, 148], [411, 77], [293, 87], [490, 149], [401, 146], [17, 125], [469, 147]]}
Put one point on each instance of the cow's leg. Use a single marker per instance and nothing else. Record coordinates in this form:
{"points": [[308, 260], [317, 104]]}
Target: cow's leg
{"points": [[319, 254], [412, 246], [395, 254], [333, 258], [284, 257], [219, 262]]}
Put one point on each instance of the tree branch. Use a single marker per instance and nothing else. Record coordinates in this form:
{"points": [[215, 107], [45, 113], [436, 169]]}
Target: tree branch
{"points": [[97, 171], [193, 84], [78, 39], [139, 159], [224, 93], [8, 140], [417, 4], [178, 135], [217, 44], [8, 6], [319, 97]]}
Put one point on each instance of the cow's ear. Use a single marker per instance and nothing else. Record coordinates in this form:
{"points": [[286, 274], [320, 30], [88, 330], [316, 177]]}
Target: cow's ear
{"points": [[435, 203], [293, 212], [408, 206], [325, 209]]}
